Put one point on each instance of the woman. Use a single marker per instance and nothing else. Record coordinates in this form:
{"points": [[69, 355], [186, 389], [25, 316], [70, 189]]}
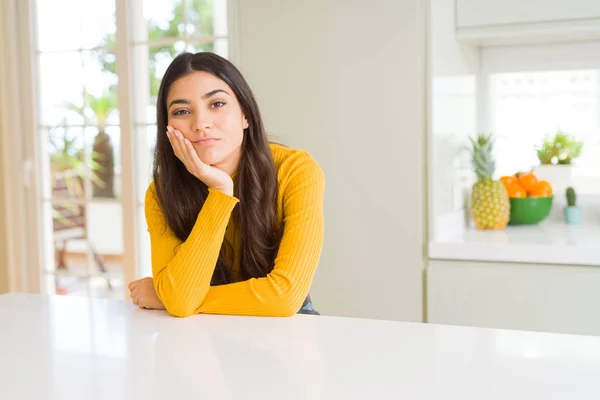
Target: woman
{"points": [[235, 222]]}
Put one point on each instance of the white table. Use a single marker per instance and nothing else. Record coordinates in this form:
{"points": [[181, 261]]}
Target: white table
{"points": [[76, 348]]}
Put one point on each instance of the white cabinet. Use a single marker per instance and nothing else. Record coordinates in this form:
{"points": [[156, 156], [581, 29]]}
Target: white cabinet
{"points": [[478, 13], [549, 298], [486, 21]]}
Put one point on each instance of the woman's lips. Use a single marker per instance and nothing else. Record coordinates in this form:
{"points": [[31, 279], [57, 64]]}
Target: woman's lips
{"points": [[206, 142]]}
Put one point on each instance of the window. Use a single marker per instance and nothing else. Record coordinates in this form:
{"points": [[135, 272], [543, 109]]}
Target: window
{"points": [[80, 132], [524, 107]]}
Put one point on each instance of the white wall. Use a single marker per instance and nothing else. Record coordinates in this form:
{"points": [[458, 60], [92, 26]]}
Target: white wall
{"points": [[511, 12], [453, 115], [449, 58], [344, 80]]}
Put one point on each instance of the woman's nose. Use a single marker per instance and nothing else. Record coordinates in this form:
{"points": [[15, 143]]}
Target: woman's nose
{"points": [[202, 122]]}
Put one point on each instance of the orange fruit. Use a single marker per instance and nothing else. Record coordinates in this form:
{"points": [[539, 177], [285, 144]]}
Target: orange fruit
{"points": [[515, 190], [527, 180], [541, 189], [508, 180]]}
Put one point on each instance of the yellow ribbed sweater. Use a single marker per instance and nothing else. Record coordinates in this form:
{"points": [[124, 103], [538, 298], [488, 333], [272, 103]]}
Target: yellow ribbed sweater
{"points": [[182, 271]]}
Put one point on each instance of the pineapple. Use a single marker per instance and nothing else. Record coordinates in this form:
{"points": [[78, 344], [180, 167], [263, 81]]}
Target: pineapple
{"points": [[490, 206]]}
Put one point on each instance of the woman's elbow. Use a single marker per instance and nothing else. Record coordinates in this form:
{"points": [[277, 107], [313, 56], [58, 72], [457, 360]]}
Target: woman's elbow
{"points": [[181, 306], [288, 307], [180, 310], [179, 303], [288, 312], [177, 306]]}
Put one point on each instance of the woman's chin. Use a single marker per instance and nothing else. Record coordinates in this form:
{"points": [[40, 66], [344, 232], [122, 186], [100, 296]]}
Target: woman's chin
{"points": [[207, 155]]}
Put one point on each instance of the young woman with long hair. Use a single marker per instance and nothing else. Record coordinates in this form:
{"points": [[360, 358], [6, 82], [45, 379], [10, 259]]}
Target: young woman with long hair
{"points": [[235, 222]]}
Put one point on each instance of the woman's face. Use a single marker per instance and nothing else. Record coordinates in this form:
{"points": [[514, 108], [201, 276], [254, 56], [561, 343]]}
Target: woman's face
{"points": [[206, 111]]}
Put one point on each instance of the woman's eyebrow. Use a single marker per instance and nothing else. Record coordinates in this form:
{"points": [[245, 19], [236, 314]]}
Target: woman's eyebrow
{"points": [[213, 92]]}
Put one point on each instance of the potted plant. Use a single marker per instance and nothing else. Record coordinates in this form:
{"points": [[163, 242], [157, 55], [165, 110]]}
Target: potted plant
{"points": [[95, 111], [572, 211], [68, 170], [556, 155]]}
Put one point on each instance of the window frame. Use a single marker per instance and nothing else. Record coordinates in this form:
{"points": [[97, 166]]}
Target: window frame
{"points": [[21, 159]]}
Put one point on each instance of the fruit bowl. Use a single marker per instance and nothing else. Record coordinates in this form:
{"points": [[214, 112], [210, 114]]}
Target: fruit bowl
{"points": [[529, 210]]}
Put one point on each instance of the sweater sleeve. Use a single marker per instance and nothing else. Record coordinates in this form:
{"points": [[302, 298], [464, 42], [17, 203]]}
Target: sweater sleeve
{"points": [[282, 292], [182, 271]]}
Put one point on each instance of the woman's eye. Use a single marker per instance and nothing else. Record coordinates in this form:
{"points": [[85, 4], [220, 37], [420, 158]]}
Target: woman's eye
{"points": [[217, 104], [181, 112]]}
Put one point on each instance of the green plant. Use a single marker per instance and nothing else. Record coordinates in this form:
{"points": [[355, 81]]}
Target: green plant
{"points": [[95, 111], [68, 165], [571, 197], [560, 149], [67, 155]]}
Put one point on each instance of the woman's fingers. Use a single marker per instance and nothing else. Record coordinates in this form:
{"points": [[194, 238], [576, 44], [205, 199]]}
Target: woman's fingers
{"points": [[180, 148], [196, 163], [133, 284], [185, 151], [174, 144], [135, 296]]}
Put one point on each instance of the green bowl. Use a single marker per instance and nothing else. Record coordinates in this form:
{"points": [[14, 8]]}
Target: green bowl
{"points": [[529, 210]]}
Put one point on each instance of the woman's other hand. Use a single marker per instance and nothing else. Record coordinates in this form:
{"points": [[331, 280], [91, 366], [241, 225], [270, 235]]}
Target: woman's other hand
{"points": [[144, 295]]}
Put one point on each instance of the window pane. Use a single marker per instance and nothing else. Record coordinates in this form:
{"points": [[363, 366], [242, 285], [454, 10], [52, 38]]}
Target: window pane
{"points": [[46, 150], [61, 90], [106, 162], [73, 24], [145, 142], [219, 46], [59, 24], [86, 241], [189, 18], [65, 164], [525, 107], [164, 18], [67, 169], [146, 137], [48, 263], [206, 18], [151, 62], [99, 23], [159, 59], [100, 85], [68, 229]]}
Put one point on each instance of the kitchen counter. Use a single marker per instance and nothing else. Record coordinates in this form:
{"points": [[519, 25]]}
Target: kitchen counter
{"points": [[77, 348], [550, 242]]}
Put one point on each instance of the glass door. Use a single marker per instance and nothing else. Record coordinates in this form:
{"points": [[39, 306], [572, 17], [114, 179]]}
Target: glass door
{"points": [[80, 134]]}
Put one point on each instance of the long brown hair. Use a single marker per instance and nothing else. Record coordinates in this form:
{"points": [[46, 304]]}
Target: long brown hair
{"points": [[181, 195]]}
